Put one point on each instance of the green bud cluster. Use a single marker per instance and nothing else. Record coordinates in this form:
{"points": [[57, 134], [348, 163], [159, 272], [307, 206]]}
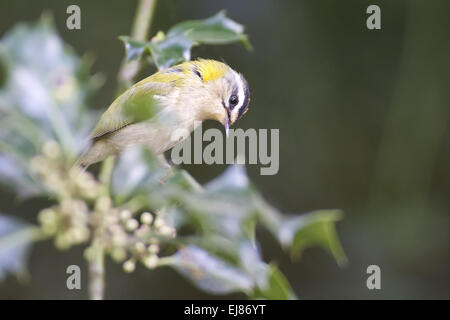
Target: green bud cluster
{"points": [[144, 238], [83, 205]]}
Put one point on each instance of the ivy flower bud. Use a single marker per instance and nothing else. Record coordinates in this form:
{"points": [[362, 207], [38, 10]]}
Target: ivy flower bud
{"points": [[125, 215], [129, 266], [146, 218], [159, 222], [153, 248], [139, 247], [166, 230], [131, 224], [151, 261]]}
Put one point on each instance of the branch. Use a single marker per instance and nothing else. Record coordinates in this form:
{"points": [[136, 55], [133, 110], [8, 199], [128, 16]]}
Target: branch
{"points": [[143, 19], [96, 258], [141, 26]]}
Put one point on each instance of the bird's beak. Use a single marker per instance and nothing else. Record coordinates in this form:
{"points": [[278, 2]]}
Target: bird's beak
{"points": [[226, 122], [227, 125]]}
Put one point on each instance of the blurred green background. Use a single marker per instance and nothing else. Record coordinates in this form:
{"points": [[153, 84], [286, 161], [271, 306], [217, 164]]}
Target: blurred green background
{"points": [[363, 118]]}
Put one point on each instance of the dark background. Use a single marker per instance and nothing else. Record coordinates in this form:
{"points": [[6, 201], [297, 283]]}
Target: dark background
{"points": [[363, 118]]}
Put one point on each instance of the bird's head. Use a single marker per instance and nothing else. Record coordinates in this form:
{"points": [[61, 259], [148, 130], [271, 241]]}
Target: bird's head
{"points": [[225, 95]]}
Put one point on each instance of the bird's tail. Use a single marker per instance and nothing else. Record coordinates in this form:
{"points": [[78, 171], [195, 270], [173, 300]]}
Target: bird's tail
{"points": [[80, 163], [98, 151]]}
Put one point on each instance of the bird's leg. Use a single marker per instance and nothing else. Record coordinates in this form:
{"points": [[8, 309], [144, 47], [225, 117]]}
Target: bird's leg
{"points": [[163, 161]]}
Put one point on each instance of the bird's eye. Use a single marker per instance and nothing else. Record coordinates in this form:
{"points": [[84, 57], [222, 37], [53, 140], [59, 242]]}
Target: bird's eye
{"points": [[233, 100]]}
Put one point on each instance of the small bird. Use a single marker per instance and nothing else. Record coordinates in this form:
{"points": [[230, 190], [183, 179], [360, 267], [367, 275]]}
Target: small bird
{"points": [[179, 97]]}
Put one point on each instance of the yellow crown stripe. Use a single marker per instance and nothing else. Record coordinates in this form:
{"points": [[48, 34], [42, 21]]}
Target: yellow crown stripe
{"points": [[210, 69]]}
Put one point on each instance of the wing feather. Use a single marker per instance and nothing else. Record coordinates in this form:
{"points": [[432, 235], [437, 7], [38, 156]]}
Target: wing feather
{"points": [[138, 103]]}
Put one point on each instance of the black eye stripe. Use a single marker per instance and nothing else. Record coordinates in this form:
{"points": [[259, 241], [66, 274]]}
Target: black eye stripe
{"points": [[246, 99], [195, 70]]}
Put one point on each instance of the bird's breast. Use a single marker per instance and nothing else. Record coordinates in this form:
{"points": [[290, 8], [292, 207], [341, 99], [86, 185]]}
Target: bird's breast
{"points": [[159, 134]]}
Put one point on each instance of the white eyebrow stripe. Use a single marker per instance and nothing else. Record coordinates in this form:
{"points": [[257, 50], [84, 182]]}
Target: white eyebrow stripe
{"points": [[241, 93]]}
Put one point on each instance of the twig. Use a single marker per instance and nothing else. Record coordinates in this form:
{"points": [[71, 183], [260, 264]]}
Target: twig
{"points": [[97, 257], [97, 271], [143, 19], [141, 26]]}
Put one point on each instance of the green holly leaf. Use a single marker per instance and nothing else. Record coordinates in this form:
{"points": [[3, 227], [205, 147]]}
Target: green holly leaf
{"points": [[43, 93], [270, 283], [133, 48], [278, 287], [16, 237], [210, 273], [175, 46], [136, 170], [46, 86], [313, 229]]}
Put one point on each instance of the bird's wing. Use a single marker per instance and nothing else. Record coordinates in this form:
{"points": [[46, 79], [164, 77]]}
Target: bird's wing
{"points": [[138, 103]]}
